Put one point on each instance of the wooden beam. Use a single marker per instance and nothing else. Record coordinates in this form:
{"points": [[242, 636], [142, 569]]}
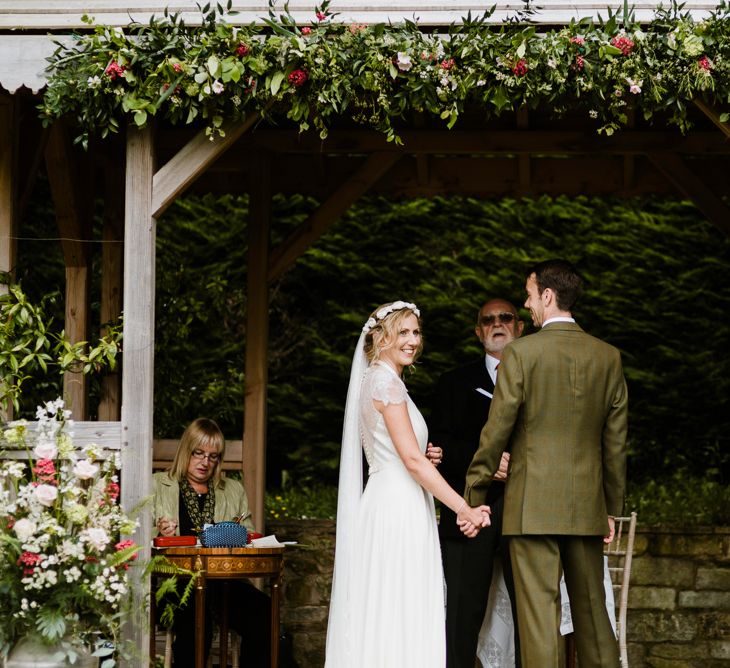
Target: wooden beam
{"points": [[714, 116], [138, 364], [371, 171], [257, 333], [112, 262], [483, 141], [193, 159], [107, 435], [692, 186]]}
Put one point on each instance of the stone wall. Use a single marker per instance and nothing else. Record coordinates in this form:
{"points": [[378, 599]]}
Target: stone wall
{"points": [[679, 601]]}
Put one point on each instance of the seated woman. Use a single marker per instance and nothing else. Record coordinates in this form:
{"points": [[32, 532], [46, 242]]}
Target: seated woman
{"points": [[194, 492]]}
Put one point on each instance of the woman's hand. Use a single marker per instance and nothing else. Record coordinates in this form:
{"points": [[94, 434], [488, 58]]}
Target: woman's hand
{"points": [[166, 526], [472, 520]]}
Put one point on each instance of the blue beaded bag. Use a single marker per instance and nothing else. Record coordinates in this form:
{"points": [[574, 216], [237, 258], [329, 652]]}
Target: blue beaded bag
{"points": [[224, 534]]}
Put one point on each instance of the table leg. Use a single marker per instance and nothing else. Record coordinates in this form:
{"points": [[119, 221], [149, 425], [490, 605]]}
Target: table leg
{"points": [[223, 640], [275, 590], [200, 621]]}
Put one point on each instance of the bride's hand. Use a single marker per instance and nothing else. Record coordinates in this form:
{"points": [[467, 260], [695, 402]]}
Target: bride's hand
{"points": [[472, 520]]}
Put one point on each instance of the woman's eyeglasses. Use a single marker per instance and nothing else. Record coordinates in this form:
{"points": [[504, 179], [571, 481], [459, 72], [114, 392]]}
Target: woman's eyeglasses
{"points": [[212, 457], [489, 320]]}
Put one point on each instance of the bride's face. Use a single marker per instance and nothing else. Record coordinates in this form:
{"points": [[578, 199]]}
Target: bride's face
{"points": [[402, 351]]}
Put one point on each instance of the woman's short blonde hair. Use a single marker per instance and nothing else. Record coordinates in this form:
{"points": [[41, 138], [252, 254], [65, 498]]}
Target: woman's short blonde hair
{"points": [[200, 432], [384, 333]]}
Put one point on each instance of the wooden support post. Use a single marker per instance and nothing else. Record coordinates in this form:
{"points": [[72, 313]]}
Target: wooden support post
{"points": [[257, 332], [8, 221], [714, 116], [111, 279], [63, 169], [138, 363]]}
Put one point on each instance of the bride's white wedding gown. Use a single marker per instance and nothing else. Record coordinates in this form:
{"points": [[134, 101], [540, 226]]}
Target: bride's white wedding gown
{"points": [[394, 611]]}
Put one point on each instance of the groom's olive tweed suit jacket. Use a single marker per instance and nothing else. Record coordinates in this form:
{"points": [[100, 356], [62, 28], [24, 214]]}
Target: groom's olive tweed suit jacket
{"points": [[560, 407]]}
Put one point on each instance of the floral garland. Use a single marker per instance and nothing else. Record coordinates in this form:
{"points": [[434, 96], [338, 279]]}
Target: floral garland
{"points": [[386, 310], [375, 75]]}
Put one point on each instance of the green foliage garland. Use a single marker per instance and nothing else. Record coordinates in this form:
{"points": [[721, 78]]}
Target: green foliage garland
{"points": [[375, 75]]}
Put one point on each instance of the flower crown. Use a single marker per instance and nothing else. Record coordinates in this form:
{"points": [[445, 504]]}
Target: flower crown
{"points": [[395, 306]]}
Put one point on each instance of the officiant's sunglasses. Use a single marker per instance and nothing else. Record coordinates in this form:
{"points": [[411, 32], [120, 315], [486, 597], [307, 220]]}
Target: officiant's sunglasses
{"points": [[504, 318]]}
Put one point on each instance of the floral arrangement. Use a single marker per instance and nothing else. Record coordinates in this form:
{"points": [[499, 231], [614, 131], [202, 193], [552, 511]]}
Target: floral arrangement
{"points": [[375, 75], [63, 563]]}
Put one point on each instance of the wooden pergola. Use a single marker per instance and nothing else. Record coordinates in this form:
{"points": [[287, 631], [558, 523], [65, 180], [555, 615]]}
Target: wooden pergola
{"points": [[140, 173]]}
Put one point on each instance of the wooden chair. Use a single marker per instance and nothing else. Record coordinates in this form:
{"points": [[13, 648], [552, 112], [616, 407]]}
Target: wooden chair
{"points": [[234, 641], [620, 552]]}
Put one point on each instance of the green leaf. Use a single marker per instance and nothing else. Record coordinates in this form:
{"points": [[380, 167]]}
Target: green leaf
{"points": [[276, 81], [521, 49], [213, 65]]}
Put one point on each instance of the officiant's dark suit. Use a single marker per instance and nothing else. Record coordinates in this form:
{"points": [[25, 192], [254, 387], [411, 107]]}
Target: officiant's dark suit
{"points": [[458, 415], [561, 406]]}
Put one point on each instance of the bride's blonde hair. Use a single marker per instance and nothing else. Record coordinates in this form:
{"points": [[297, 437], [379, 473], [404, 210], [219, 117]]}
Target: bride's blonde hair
{"points": [[383, 331]]}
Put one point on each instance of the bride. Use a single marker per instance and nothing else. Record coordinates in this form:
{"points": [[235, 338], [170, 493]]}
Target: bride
{"points": [[387, 604]]}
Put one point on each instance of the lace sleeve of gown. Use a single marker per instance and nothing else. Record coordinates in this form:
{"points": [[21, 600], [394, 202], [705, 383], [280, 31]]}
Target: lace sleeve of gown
{"points": [[387, 387]]}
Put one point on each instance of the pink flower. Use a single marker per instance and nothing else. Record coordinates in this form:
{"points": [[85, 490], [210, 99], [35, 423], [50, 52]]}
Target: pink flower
{"points": [[114, 70], [623, 43], [321, 16], [177, 67], [123, 545], [298, 78], [580, 41], [306, 30], [579, 62], [447, 64], [112, 491], [357, 27], [704, 63], [45, 470], [520, 68], [242, 50]]}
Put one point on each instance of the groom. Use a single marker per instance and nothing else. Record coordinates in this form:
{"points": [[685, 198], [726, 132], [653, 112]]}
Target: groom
{"points": [[561, 408]]}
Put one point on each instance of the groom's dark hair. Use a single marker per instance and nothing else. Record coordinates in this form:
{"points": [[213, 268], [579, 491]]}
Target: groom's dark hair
{"points": [[562, 278]]}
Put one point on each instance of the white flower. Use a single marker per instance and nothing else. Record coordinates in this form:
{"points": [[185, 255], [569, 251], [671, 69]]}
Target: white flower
{"points": [[24, 529], [593, 113], [46, 494], [368, 325], [46, 449], [96, 537], [551, 63], [84, 470], [634, 86], [94, 82], [218, 87], [404, 61]]}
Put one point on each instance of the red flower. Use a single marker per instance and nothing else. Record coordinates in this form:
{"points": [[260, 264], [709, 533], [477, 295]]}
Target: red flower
{"points": [[30, 560], [306, 30], [298, 78], [242, 50], [114, 70], [704, 63], [520, 67], [624, 44], [321, 16], [447, 64], [112, 491]]}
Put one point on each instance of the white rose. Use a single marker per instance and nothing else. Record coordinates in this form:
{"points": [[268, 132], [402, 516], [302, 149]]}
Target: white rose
{"points": [[24, 529], [45, 449], [84, 470], [46, 494], [96, 537], [404, 61]]}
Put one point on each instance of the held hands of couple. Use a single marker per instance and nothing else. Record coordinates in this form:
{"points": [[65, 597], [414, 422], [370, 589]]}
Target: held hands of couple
{"points": [[472, 520]]}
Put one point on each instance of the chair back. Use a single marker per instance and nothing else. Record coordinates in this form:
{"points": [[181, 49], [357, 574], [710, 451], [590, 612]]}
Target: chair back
{"points": [[620, 552]]}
